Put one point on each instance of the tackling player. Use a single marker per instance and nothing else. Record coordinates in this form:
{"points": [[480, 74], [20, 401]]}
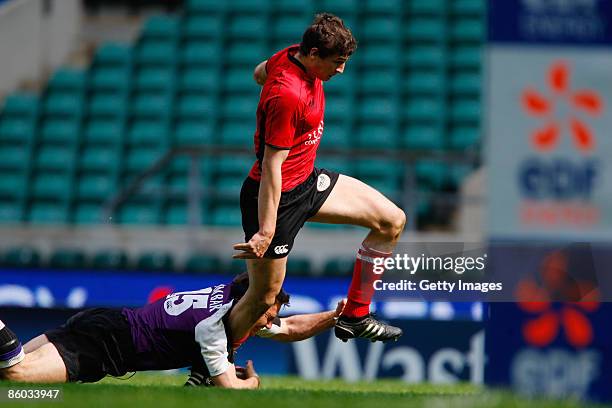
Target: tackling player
{"points": [[181, 330], [284, 190]]}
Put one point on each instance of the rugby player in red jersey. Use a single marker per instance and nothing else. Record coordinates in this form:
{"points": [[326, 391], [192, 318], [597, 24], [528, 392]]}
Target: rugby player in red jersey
{"points": [[284, 190]]}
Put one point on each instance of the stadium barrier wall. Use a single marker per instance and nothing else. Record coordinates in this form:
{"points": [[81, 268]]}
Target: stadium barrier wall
{"points": [[35, 37]]}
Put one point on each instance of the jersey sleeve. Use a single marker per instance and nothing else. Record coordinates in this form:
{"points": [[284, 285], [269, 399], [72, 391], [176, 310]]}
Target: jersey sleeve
{"points": [[281, 119], [210, 335]]}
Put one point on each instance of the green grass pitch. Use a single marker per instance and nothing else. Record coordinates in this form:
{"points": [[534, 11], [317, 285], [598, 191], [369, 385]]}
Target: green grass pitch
{"points": [[156, 390]]}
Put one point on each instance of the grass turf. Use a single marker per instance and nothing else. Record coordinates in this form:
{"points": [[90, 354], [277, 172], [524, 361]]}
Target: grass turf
{"points": [[155, 390]]}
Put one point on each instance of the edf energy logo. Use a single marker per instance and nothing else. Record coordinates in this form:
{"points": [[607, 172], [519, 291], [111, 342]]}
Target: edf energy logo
{"points": [[542, 368], [557, 184]]}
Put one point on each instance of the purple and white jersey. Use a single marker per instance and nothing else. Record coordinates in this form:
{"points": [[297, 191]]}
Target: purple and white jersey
{"points": [[183, 329]]}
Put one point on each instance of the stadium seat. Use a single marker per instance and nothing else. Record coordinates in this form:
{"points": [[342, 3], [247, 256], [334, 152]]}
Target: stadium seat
{"points": [[48, 213], [96, 187], [157, 53], [381, 81], [201, 263], [201, 27], [378, 136], [196, 107], [467, 56], [336, 135], [161, 27], [193, 133], [338, 108], [431, 174], [13, 185], [60, 132], [468, 7], [88, 213], [466, 110], [239, 107], [468, 83], [155, 78], [423, 137], [176, 214], [227, 188], [249, 53], [232, 165], [54, 158], [204, 6], [240, 79], [423, 82], [419, 109], [103, 132], [155, 261], [11, 212], [14, 159], [383, 28], [112, 106], [238, 134], [247, 27], [339, 267], [457, 173], [426, 7], [376, 108], [139, 214], [425, 56], [226, 216], [72, 258], [20, 105], [111, 78], [425, 30], [68, 79], [340, 7], [289, 28], [200, 53], [57, 186], [17, 131], [69, 105], [22, 257], [464, 137], [113, 54], [140, 159], [151, 105], [199, 80], [468, 30], [111, 259], [377, 55], [379, 169], [149, 133], [297, 266]]}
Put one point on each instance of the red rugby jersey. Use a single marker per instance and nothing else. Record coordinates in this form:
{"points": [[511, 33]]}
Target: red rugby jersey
{"points": [[289, 116]]}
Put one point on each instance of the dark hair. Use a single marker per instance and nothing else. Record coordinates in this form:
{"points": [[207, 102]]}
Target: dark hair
{"points": [[240, 284], [329, 35]]}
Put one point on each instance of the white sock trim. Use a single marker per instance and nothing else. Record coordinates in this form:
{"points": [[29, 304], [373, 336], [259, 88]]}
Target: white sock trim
{"points": [[2, 325]]}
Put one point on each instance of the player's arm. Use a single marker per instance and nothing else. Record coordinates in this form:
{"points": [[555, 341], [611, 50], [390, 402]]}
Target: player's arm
{"points": [[229, 379], [300, 327], [260, 74], [270, 189]]}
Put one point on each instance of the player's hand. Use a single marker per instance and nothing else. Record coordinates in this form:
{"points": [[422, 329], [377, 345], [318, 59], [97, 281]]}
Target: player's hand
{"points": [[241, 373], [250, 371], [340, 307], [255, 248]]}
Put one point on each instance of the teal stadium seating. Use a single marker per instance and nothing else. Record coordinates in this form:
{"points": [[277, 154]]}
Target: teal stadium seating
{"points": [[413, 84]]}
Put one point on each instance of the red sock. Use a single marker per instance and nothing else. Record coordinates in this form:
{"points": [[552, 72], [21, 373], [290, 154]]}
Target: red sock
{"points": [[361, 290]]}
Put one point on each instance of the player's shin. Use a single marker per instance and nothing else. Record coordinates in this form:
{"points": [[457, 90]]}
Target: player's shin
{"points": [[361, 290], [11, 351]]}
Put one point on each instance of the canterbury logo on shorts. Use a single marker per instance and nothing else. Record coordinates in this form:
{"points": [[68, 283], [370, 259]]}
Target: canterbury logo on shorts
{"points": [[323, 182], [281, 249]]}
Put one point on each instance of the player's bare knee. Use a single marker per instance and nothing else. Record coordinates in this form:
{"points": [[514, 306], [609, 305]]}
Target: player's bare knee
{"points": [[391, 224]]}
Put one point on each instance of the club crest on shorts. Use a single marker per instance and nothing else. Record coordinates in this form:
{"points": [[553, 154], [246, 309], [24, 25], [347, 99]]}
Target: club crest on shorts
{"points": [[323, 182]]}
